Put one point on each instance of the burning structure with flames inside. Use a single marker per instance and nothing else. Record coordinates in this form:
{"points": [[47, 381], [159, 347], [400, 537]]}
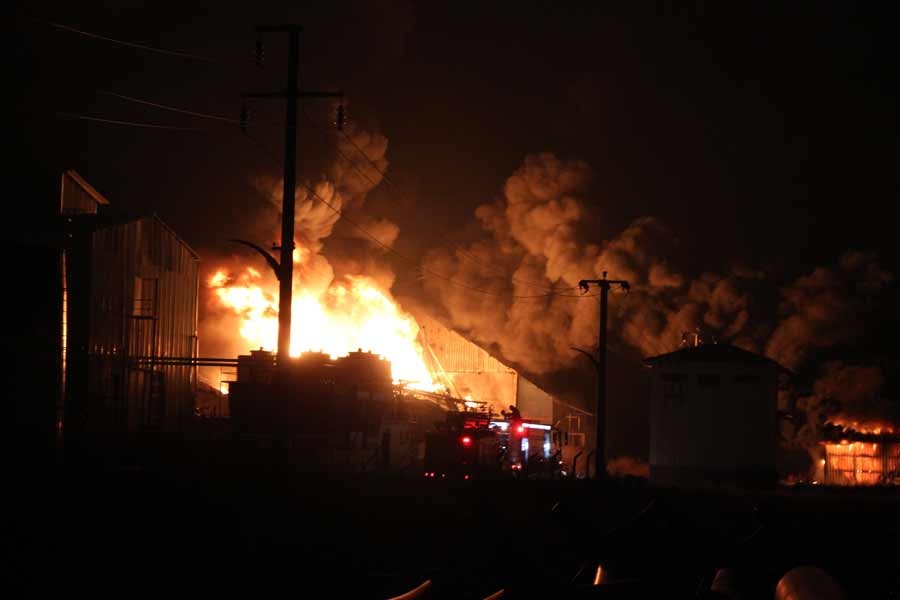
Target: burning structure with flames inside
{"points": [[343, 413], [853, 457], [351, 412]]}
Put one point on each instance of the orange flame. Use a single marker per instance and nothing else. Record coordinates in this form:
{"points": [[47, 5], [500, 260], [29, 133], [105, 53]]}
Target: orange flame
{"points": [[349, 315], [866, 426]]}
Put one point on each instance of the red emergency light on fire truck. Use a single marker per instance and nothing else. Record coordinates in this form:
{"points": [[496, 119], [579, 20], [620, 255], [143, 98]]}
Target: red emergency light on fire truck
{"points": [[462, 447]]}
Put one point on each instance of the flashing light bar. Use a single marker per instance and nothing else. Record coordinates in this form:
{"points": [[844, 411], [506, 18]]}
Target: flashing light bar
{"points": [[505, 425], [536, 426]]}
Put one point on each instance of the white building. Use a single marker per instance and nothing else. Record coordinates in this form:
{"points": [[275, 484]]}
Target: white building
{"points": [[713, 416]]}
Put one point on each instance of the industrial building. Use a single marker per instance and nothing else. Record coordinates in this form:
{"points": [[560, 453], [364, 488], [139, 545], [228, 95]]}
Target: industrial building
{"points": [[334, 414], [467, 369], [713, 411], [129, 290], [854, 458], [347, 413]]}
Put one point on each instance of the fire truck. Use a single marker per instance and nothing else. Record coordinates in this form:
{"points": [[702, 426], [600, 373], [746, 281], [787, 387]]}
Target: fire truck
{"points": [[463, 446], [471, 444]]}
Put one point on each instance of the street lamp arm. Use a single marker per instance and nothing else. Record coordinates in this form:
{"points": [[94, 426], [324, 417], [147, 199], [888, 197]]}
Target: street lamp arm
{"points": [[269, 258], [589, 356]]}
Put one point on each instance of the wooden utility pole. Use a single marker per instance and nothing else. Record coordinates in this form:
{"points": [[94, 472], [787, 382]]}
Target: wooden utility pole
{"points": [[604, 285], [291, 94]]}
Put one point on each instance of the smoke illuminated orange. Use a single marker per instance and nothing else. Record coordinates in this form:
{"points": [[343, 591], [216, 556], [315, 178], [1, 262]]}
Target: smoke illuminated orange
{"points": [[353, 314]]}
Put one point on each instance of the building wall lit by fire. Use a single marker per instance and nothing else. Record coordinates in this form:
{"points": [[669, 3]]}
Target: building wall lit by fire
{"points": [[713, 416], [855, 458], [130, 296], [467, 369]]}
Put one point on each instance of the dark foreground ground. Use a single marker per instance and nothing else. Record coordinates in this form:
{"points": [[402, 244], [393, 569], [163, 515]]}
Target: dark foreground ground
{"points": [[206, 527]]}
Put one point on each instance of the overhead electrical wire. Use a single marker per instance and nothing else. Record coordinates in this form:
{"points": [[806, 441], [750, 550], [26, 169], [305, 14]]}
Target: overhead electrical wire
{"points": [[403, 256], [126, 123], [136, 45], [311, 190], [172, 108], [463, 253]]}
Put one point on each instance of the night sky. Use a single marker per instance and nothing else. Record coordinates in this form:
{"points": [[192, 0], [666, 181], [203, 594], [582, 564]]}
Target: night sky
{"points": [[757, 133]]}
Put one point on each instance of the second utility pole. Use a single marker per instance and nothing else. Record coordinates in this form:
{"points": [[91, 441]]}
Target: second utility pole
{"points": [[291, 94], [604, 285]]}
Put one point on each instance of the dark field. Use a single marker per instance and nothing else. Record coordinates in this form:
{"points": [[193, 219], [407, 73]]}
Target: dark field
{"points": [[204, 527]]}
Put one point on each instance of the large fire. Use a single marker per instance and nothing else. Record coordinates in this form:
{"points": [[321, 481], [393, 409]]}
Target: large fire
{"points": [[862, 426], [351, 314], [861, 452]]}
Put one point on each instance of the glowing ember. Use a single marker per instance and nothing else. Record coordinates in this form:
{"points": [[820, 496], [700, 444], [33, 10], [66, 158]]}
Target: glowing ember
{"points": [[354, 314]]}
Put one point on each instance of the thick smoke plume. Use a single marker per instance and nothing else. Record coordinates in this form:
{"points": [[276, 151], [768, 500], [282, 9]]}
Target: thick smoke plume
{"points": [[849, 393], [826, 308], [320, 205], [539, 241]]}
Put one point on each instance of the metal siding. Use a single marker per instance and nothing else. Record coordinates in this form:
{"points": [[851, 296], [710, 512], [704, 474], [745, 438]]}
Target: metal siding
{"points": [[123, 254], [533, 402]]}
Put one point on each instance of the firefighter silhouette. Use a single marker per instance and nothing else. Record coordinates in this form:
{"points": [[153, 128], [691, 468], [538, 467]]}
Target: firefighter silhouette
{"points": [[512, 415]]}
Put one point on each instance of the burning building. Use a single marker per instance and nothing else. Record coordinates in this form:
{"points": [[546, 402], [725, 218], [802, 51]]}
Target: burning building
{"points": [[343, 413], [356, 313], [469, 371], [366, 379], [713, 413], [129, 299], [865, 456]]}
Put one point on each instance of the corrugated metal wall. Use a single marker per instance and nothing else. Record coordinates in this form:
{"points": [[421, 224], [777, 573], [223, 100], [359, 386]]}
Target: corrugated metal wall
{"points": [[862, 463], [143, 303], [475, 372], [456, 353]]}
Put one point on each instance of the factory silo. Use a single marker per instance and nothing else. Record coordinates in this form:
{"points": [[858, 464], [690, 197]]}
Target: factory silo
{"points": [[713, 416]]}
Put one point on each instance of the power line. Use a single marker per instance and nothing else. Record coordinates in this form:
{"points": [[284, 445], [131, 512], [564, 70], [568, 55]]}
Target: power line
{"points": [[171, 108], [127, 123], [551, 291], [104, 38], [312, 191]]}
